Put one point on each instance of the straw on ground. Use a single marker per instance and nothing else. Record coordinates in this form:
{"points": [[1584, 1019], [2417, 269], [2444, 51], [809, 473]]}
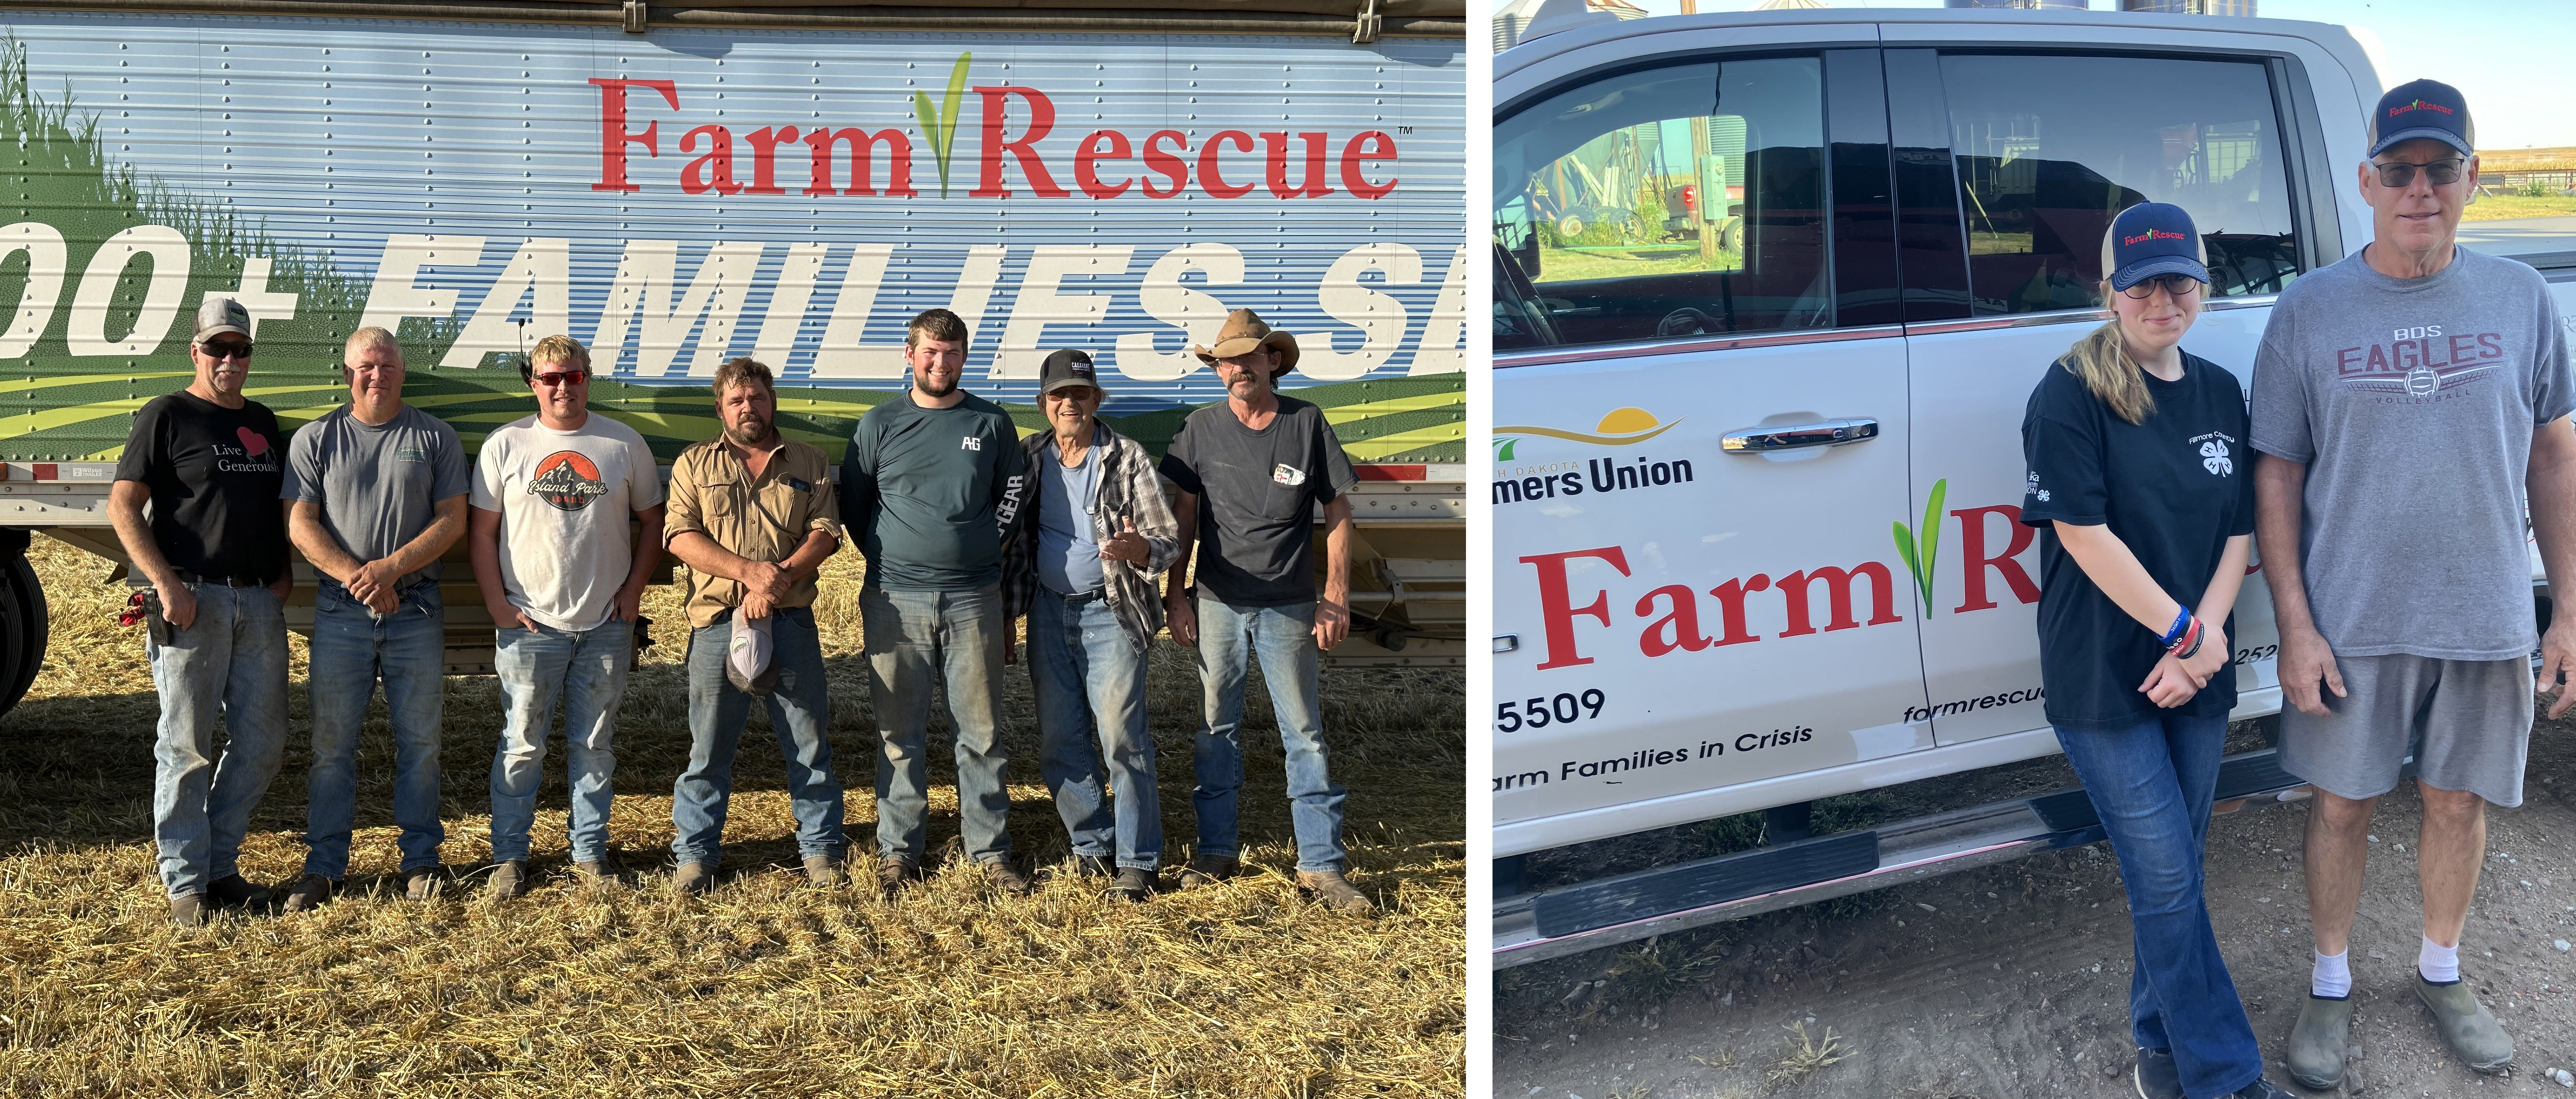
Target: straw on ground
{"points": [[764, 988]]}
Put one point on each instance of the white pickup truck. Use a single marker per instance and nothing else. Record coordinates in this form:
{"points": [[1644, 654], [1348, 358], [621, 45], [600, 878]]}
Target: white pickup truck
{"points": [[1771, 290]]}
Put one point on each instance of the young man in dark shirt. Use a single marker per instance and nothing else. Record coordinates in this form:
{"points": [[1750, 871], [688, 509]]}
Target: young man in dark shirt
{"points": [[931, 487], [210, 462], [1251, 473]]}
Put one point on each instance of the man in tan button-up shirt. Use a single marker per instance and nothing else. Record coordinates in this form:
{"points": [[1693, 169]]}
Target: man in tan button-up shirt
{"points": [[754, 516]]}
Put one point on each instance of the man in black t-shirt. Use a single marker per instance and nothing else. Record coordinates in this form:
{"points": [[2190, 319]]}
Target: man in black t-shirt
{"points": [[210, 463], [1251, 473]]}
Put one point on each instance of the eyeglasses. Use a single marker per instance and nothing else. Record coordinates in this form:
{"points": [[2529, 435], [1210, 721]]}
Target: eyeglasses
{"points": [[562, 377], [2399, 173], [228, 349], [2176, 286]]}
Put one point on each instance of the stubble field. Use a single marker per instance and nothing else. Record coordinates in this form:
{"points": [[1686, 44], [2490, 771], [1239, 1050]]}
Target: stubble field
{"points": [[764, 988]]}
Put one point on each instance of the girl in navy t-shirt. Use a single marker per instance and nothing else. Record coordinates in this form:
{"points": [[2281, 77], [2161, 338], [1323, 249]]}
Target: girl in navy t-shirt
{"points": [[2142, 487]]}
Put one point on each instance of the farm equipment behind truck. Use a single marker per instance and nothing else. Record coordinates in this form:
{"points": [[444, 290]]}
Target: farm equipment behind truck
{"points": [[676, 185]]}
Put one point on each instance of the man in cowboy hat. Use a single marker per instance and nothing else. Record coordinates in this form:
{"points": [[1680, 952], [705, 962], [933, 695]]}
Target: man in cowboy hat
{"points": [[1251, 472]]}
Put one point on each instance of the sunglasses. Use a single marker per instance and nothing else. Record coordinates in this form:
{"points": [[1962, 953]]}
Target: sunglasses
{"points": [[562, 377], [225, 349], [2175, 286], [2441, 172]]}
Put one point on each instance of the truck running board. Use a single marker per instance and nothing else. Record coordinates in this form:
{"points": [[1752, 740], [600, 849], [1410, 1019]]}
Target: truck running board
{"points": [[1571, 919]]}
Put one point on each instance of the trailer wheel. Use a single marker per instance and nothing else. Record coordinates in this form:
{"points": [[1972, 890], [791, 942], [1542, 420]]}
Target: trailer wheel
{"points": [[22, 620]]}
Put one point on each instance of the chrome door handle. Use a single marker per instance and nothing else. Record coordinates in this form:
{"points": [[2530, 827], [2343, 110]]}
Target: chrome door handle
{"points": [[1793, 436]]}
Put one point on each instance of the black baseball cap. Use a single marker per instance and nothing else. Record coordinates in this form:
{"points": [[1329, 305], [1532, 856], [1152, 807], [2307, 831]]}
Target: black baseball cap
{"points": [[1064, 368], [2151, 239], [2423, 108]]}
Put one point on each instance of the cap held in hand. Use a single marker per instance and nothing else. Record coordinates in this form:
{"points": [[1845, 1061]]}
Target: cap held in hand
{"points": [[749, 658]]}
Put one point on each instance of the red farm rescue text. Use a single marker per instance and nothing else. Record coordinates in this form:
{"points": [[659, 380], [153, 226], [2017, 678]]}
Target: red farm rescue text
{"points": [[1104, 164], [1792, 604]]}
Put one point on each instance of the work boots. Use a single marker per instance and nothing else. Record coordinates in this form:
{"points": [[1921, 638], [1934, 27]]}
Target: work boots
{"points": [[1333, 891]]}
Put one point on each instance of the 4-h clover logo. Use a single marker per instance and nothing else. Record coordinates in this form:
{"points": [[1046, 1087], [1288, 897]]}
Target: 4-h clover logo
{"points": [[2213, 457]]}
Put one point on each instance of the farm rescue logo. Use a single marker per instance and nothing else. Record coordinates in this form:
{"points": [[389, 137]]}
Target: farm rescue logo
{"points": [[1293, 164], [1806, 601]]}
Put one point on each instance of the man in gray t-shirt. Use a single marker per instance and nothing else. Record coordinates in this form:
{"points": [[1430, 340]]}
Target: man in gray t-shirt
{"points": [[377, 492], [2406, 400]]}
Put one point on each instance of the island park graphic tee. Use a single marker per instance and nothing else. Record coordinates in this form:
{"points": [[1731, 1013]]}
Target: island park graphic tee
{"points": [[564, 499]]}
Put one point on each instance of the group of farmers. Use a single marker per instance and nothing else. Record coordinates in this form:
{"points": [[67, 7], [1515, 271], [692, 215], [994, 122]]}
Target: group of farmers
{"points": [[965, 526]]}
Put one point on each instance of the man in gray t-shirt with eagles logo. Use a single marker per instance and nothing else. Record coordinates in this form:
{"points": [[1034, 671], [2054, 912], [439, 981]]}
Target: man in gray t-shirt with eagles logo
{"points": [[1252, 473], [2406, 399], [931, 486]]}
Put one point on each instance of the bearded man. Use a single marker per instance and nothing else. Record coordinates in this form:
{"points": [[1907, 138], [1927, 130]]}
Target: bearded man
{"points": [[754, 517], [932, 487]]}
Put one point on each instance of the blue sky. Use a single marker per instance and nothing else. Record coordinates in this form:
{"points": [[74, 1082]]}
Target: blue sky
{"points": [[2502, 54]]}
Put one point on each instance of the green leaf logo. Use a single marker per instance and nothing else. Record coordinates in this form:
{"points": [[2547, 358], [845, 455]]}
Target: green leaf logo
{"points": [[940, 129], [1503, 449], [1921, 564]]}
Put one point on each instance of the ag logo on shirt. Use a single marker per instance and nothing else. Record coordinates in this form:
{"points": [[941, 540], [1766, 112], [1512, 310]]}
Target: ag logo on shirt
{"points": [[568, 480], [1288, 475], [2214, 455], [970, 442]]}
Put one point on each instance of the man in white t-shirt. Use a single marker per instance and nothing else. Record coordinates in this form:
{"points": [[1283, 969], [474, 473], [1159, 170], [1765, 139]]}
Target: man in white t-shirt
{"points": [[564, 582]]}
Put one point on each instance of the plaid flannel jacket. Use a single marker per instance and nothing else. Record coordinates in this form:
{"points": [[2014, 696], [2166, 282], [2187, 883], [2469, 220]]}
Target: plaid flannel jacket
{"points": [[1129, 490]]}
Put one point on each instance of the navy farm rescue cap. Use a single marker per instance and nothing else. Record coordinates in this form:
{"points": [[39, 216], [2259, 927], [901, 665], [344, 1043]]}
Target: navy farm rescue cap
{"points": [[2151, 239], [1064, 368], [2423, 108]]}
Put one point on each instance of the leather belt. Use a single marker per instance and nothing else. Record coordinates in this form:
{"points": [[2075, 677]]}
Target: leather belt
{"points": [[222, 581]]}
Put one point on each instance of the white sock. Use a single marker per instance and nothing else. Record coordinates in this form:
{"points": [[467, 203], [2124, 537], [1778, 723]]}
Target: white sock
{"points": [[2438, 963], [2332, 977]]}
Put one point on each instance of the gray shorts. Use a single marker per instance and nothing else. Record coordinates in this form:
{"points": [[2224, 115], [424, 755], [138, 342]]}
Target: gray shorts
{"points": [[2467, 723]]}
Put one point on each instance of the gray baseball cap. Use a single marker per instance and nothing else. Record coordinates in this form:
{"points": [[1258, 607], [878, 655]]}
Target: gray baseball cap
{"points": [[220, 315]]}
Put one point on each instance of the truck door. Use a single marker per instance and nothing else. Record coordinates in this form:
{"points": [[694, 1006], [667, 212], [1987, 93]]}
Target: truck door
{"points": [[2032, 178], [1700, 440]]}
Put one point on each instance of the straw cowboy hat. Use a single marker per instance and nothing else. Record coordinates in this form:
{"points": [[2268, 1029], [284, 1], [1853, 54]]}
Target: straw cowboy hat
{"points": [[1245, 331]]}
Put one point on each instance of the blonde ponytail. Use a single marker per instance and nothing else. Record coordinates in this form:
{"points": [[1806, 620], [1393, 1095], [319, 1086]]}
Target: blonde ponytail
{"points": [[2103, 361]]}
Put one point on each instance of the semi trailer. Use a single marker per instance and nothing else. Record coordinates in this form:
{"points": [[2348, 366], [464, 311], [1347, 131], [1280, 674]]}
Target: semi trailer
{"points": [[676, 185]]}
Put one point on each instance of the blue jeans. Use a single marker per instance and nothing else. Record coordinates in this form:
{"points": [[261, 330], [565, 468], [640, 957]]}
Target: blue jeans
{"points": [[1284, 638], [352, 649], [800, 713], [1088, 677], [588, 671], [229, 664], [2152, 786], [914, 639]]}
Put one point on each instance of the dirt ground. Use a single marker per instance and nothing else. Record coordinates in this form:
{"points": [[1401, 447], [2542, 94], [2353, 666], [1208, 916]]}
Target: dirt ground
{"points": [[2013, 980]]}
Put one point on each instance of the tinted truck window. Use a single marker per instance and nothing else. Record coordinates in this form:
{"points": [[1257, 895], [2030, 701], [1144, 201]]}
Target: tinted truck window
{"points": [[1666, 204], [2049, 148]]}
